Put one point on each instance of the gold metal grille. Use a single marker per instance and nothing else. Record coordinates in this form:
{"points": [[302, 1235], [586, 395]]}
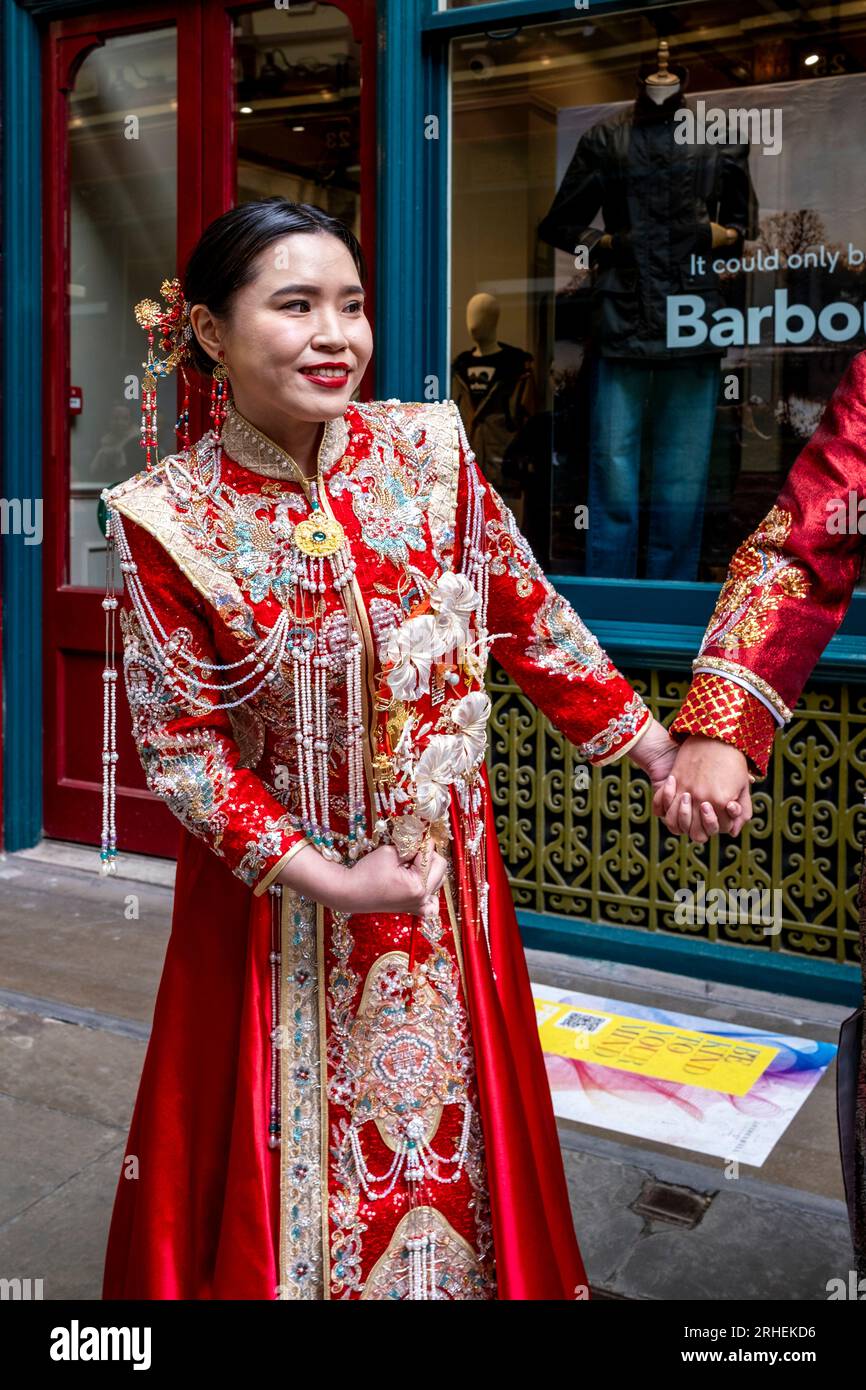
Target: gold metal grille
{"points": [[599, 854]]}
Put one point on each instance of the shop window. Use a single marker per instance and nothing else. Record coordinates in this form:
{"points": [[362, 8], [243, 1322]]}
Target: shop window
{"points": [[122, 141], [297, 105], [656, 285], [296, 108]]}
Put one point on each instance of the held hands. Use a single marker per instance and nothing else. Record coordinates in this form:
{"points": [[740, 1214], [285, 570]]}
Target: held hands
{"points": [[706, 791], [655, 752], [700, 786]]}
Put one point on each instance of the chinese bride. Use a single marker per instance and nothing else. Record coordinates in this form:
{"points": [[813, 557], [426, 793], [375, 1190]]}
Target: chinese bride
{"points": [[344, 1094]]}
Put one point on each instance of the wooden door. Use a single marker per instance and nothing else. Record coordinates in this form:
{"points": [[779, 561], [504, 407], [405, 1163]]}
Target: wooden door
{"points": [[159, 118]]}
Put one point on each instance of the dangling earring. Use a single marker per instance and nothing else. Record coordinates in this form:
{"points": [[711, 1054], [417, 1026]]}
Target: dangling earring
{"points": [[181, 429], [218, 395]]}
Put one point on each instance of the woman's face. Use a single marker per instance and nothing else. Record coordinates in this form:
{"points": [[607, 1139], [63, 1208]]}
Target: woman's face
{"points": [[303, 311]]}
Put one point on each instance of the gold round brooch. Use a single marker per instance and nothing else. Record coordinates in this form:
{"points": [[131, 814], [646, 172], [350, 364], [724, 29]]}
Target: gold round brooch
{"points": [[318, 534]]}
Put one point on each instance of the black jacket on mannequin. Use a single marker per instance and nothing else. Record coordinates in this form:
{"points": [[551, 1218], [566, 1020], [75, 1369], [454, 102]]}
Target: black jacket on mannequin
{"points": [[657, 198]]}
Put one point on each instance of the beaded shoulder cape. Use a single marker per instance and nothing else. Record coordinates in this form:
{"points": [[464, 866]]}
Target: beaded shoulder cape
{"points": [[364, 661], [333, 637]]}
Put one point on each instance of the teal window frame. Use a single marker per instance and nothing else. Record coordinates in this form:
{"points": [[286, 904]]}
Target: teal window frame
{"points": [[21, 424]]}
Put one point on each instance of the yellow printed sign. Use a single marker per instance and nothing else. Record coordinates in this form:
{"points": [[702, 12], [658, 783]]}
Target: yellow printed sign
{"points": [[729, 1065]]}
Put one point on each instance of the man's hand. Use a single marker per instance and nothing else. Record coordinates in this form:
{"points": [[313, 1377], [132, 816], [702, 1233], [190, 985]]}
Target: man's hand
{"points": [[706, 791]]}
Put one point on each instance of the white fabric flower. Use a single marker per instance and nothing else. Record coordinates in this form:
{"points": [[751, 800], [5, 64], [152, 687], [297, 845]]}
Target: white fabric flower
{"points": [[415, 644], [451, 633], [434, 773], [412, 647], [453, 593], [471, 714], [453, 598]]}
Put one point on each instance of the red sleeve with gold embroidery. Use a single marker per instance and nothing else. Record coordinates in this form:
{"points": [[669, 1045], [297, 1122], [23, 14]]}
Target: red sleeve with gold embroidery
{"points": [[189, 755], [788, 587], [549, 652]]}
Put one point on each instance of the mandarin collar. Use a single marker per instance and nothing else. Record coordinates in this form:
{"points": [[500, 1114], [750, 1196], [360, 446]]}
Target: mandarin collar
{"points": [[253, 449]]}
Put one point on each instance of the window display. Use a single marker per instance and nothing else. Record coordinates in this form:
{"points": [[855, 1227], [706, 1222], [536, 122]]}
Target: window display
{"points": [[658, 198], [493, 384], [664, 216]]}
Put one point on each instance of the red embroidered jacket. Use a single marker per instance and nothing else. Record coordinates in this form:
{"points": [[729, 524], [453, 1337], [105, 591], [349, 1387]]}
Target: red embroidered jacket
{"points": [[403, 483], [788, 588]]}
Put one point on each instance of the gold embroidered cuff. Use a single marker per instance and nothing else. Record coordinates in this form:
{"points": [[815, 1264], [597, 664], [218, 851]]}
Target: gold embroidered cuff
{"points": [[623, 747], [265, 882], [734, 669]]}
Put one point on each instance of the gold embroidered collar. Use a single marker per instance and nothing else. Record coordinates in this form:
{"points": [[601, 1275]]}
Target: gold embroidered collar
{"points": [[253, 449]]}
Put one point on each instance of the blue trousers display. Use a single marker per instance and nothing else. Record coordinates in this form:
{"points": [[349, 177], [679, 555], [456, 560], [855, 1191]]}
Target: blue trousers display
{"points": [[682, 398]]}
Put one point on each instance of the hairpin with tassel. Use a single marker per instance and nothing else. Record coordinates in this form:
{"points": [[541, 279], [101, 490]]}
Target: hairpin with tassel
{"points": [[175, 336]]}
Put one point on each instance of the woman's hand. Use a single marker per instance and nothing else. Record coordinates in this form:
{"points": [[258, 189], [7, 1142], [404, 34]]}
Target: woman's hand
{"points": [[655, 752], [379, 882], [382, 882], [706, 791]]}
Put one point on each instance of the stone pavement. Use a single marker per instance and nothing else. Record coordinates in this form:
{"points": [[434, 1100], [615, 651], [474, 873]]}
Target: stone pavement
{"points": [[77, 988]]}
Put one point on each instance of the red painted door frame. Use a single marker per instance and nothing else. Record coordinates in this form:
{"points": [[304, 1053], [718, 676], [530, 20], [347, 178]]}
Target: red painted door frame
{"points": [[73, 626]]}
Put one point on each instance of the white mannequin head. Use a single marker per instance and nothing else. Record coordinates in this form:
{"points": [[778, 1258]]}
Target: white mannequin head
{"points": [[660, 91]]}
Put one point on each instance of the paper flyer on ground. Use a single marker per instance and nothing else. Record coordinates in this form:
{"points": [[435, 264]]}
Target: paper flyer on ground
{"points": [[712, 1087]]}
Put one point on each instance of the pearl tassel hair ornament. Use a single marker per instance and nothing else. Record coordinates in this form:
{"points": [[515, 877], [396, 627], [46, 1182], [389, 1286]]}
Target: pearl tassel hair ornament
{"points": [[108, 843]]}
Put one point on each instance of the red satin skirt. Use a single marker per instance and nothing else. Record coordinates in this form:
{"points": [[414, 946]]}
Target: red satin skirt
{"points": [[197, 1212]]}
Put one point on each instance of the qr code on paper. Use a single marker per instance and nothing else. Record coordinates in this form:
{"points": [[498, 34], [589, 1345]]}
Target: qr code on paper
{"points": [[582, 1023]]}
